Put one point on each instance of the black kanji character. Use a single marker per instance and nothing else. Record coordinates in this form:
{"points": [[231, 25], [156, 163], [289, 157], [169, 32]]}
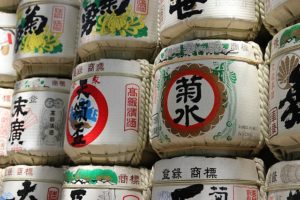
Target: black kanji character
{"points": [[166, 174], [176, 173], [219, 193], [188, 90], [18, 105], [89, 18], [83, 86], [77, 194], [291, 115], [210, 172], [32, 23], [294, 196], [80, 110], [17, 128], [185, 8], [78, 138], [195, 172], [26, 190]]}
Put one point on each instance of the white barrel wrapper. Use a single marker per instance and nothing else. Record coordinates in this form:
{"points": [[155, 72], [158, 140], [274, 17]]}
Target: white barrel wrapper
{"points": [[99, 182], [106, 115], [284, 89], [123, 29], [38, 121], [1, 180], [9, 5], [280, 14], [46, 34], [8, 74], [283, 180], [185, 20], [5, 105], [32, 182], [206, 99], [197, 178]]}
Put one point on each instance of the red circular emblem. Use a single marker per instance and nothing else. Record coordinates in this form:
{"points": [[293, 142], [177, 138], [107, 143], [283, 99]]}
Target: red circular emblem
{"points": [[87, 115]]}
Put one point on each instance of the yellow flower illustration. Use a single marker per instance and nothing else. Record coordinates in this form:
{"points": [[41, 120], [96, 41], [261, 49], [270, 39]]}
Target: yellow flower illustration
{"points": [[127, 24], [45, 42]]}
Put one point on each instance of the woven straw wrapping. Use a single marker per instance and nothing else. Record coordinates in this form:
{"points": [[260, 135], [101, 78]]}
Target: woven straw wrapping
{"points": [[169, 141], [9, 5], [50, 49], [132, 34], [114, 143], [278, 14], [232, 19], [105, 182], [244, 176]]}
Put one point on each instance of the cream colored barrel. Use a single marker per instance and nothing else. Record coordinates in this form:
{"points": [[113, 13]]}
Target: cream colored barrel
{"points": [[108, 110], [283, 180], [186, 20], [9, 5], [38, 121], [100, 182], [8, 75], [279, 14], [119, 29], [208, 100], [1, 180], [32, 182], [208, 178], [5, 106], [283, 137], [46, 36]]}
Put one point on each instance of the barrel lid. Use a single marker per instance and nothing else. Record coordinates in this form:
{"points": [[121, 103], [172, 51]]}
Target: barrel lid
{"points": [[190, 169], [283, 174], [207, 49], [34, 173], [6, 97], [8, 20], [37, 84], [112, 67], [23, 3], [286, 40], [106, 177]]}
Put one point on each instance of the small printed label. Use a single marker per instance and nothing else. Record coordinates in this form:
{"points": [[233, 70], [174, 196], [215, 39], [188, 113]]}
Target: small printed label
{"points": [[131, 107], [274, 122], [141, 7], [58, 17], [53, 193]]}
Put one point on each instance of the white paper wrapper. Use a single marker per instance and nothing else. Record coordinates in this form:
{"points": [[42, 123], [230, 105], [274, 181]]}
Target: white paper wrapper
{"points": [[122, 30], [206, 178], [8, 74], [5, 105], [113, 183], [284, 120], [38, 121], [206, 99], [280, 14], [186, 20], [105, 120], [48, 46], [31, 182], [283, 180]]}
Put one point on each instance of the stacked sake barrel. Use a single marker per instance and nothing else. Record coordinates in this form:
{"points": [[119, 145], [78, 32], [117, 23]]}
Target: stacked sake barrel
{"points": [[208, 99], [282, 56]]}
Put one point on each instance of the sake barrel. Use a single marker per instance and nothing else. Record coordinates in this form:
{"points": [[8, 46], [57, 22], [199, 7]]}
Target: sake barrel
{"points": [[279, 14], [206, 99], [101, 182], [46, 37], [5, 105], [8, 74], [208, 178], [284, 71], [108, 107], [118, 29], [38, 120], [186, 20], [32, 182], [283, 180], [9, 5]]}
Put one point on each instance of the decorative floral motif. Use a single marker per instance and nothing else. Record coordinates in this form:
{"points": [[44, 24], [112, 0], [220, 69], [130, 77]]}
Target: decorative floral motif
{"points": [[46, 42], [126, 25]]}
